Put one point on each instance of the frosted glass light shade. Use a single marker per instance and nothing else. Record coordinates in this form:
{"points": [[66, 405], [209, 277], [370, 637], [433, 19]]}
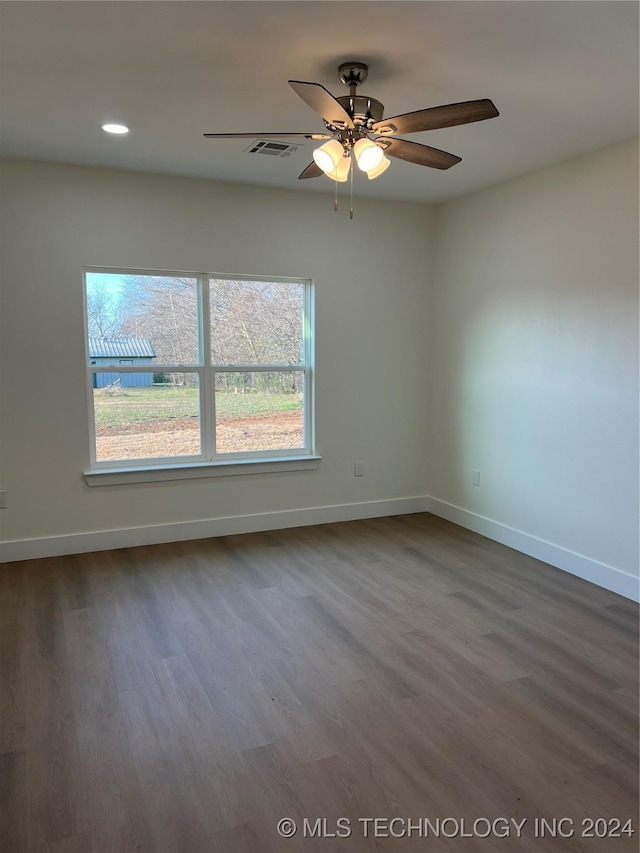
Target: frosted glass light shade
{"points": [[384, 165], [341, 172], [328, 156], [368, 154]]}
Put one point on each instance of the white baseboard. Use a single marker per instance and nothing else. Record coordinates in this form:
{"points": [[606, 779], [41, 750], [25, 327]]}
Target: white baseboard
{"points": [[562, 558], [130, 537], [106, 540]]}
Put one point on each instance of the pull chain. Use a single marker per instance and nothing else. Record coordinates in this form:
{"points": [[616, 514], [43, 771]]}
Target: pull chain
{"points": [[351, 194], [335, 199]]}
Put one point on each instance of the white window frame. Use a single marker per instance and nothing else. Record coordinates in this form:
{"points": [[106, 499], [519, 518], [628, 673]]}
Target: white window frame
{"points": [[208, 462]]}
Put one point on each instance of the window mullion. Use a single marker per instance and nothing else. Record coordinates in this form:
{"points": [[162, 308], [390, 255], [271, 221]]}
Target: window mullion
{"points": [[307, 408], [208, 390], [257, 368]]}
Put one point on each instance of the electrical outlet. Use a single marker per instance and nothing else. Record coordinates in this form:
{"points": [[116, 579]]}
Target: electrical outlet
{"points": [[3, 500], [475, 477], [358, 469]]}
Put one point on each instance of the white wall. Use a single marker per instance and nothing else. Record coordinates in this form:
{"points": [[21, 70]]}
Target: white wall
{"points": [[511, 346], [534, 356], [372, 291]]}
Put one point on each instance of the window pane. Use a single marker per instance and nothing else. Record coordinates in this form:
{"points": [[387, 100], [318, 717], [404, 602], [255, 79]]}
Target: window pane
{"points": [[148, 319], [259, 411], [146, 415], [256, 322]]}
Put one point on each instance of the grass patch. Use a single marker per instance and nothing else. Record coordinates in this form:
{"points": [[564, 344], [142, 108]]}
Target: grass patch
{"points": [[137, 405], [230, 405]]}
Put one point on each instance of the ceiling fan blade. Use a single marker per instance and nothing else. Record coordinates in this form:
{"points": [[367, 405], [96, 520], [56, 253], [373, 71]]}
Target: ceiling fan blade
{"points": [[322, 102], [267, 135], [437, 117], [312, 171], [414, 152]]}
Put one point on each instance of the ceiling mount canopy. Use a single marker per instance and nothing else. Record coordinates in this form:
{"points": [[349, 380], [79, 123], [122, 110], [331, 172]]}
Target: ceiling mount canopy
{"points": [[353, 73], [356, 129]]}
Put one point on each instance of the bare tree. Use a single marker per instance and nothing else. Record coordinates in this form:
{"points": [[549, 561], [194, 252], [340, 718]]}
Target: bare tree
{"points": [[105, 316], [256, 322], [164, 310]]}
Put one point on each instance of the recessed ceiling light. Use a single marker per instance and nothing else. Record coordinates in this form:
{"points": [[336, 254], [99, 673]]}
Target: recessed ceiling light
{"points": [[115, 128]]}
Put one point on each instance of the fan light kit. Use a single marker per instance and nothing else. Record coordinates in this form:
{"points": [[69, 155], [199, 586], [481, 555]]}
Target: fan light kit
{"points": [[352, 122]]}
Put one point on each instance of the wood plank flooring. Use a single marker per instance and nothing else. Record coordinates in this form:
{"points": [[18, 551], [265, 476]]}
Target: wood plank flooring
{"points": [[184, 698]]}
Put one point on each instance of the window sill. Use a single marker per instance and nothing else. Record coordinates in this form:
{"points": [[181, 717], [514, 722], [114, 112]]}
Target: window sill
{"points": [[196, 470]]}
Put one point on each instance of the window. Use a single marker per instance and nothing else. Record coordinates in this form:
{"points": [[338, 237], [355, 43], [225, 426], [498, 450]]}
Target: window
{"points": [[197, 369]]}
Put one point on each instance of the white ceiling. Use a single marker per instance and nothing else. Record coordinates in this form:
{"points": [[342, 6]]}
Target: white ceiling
{"points": [[564, 76]]}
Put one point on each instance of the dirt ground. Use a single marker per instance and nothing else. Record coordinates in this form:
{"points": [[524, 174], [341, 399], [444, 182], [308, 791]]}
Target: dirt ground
{"points": [[180, 436]]}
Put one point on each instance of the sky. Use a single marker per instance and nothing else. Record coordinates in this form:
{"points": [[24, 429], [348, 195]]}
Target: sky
{"points": [[111, 282]]}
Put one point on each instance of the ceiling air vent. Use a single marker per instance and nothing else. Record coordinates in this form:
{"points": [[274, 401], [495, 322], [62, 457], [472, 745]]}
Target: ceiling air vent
{"points": [[273, 149]]}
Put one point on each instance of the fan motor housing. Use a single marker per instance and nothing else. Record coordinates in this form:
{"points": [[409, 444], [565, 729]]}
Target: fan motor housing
{"points": [[364, 111]]}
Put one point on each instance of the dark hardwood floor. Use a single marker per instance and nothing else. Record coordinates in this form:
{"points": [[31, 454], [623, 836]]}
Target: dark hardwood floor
{"points": [[186, 697]]}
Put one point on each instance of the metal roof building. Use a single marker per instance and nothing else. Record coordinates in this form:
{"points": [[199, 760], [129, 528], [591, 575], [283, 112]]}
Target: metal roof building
{"points": [[123, 347], [121, 350]]}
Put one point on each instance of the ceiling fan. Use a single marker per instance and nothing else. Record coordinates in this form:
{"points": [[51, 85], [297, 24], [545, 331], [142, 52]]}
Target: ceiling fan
{"points": [[357, 130]]}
